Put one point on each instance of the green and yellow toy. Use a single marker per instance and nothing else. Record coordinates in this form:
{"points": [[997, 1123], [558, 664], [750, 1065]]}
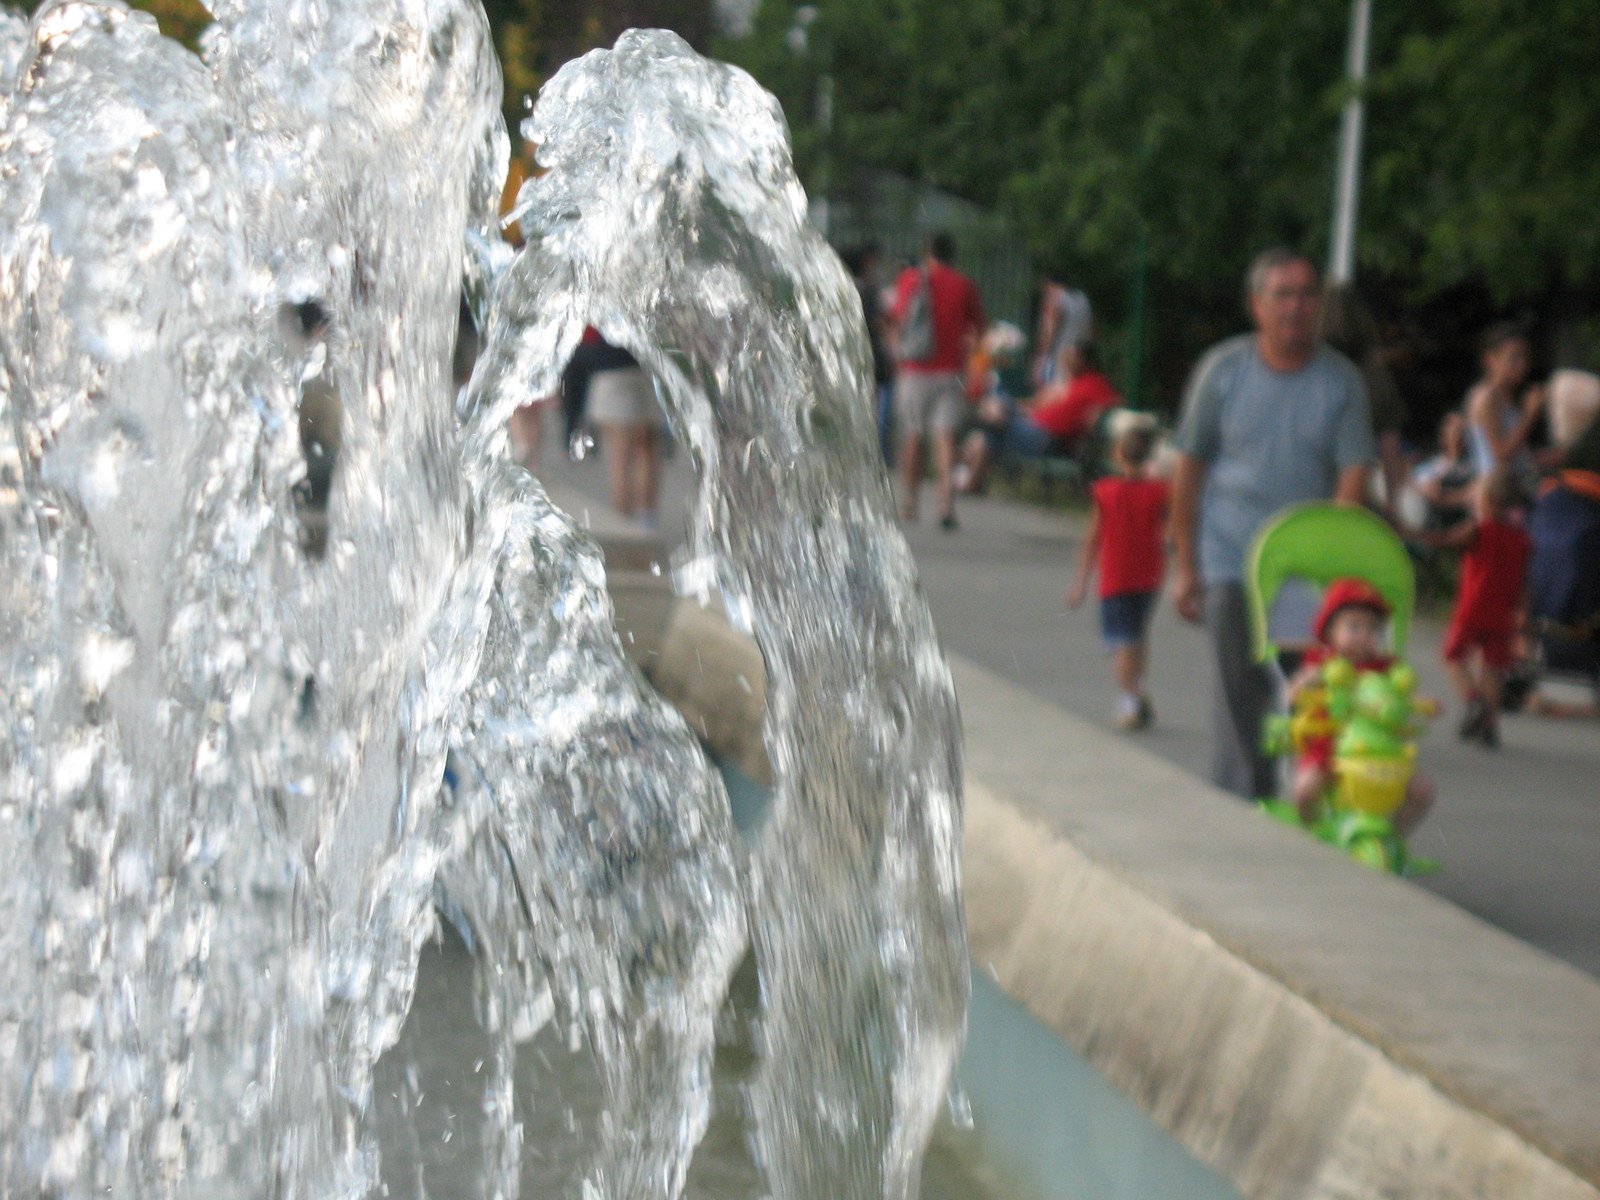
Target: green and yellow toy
{"points": [[1352, 729]]}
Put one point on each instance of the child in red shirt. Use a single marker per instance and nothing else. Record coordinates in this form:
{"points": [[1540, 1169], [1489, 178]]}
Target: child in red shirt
{"points": [[1349, 625], [1127, 538], [1480, 645]]}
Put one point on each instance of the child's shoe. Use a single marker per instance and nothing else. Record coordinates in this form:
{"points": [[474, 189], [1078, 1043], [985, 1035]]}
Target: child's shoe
{"points": [[1144, 715], [1134, 713], [1473, 720]]}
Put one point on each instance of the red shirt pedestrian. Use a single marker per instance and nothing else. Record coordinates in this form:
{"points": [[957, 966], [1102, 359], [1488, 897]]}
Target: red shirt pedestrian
{"points": [[1133, 521], [957, 311], [1494, 572], [1127, 537], [1072, 412]]}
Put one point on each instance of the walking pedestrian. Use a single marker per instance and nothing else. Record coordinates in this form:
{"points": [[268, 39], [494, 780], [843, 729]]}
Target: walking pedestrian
{"points": [[622, 404], [1126, 539], [1480, 646], [1066, 321], [936, 318], [1501, 411], [1271, 418], [863, 265]]}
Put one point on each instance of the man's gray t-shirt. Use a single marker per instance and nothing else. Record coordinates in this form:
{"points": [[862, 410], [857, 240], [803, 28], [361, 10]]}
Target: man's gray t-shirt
{"points": [[1269, 439]]}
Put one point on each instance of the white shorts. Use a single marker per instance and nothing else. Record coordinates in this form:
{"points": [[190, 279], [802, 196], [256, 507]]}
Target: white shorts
{"points": [[929, 402], [624, 396]]}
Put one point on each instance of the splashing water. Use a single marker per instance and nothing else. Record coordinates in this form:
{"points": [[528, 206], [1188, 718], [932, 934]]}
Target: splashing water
{"points": [[220, 756]]}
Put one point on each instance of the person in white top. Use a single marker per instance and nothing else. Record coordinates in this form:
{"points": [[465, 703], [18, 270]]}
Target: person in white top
{"points": [[1501, 411]]}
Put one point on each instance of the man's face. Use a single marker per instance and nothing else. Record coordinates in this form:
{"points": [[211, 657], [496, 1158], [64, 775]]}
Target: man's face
{"points": [[1287, 307]]}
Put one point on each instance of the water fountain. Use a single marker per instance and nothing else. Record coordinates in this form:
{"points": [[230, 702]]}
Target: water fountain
{"points": [[222, 758]]}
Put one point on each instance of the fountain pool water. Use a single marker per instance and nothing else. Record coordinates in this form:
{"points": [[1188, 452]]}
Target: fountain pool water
{"points": [[221, 757]]}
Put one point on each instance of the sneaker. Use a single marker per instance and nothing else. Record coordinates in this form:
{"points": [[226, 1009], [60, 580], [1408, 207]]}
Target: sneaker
{"points": [[948, 522], [1131, 713], [1145, 715], [1489, 733], [1473, 720]]}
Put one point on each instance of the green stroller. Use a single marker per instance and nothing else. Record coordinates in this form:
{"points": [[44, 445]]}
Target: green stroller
{"points": [[1371, 716]]}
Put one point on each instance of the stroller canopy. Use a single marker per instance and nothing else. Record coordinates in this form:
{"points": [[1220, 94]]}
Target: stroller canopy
{"points": [[1320, 543]]}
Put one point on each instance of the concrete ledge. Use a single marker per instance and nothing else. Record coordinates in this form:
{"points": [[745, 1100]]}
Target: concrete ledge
{"points": [[1308, 1028]]}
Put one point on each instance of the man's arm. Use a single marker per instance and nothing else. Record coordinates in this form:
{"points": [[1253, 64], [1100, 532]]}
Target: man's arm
{"points": [[1352, 485], [1188, 478], [1481, 415], [1198, 441]]}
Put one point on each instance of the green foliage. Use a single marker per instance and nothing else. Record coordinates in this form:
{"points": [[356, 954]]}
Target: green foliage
{"points": [[516, 34], [1213, 127], [515, 24], [1483, 163], [184, 20]]}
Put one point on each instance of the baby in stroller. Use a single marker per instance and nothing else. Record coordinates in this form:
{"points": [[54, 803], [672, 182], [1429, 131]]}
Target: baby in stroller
{"points": [[1349, 629], [1354, 718]]}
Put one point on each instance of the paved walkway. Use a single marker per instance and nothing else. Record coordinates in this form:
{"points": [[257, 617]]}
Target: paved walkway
{"points": [[1518, 831]]}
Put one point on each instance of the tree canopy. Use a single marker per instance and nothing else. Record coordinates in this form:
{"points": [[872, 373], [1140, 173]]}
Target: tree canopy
{"points": [[1211, 128], [515, 23]]}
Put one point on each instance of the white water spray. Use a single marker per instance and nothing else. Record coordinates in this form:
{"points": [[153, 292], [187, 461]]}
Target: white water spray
{"points": [[221, 758]]}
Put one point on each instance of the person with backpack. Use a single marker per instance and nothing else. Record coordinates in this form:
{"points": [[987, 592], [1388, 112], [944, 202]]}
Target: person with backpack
{"points": [[936, 320]]}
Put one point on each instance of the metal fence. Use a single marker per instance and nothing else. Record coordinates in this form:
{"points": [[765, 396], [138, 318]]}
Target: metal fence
{"points": [[899, 214]]}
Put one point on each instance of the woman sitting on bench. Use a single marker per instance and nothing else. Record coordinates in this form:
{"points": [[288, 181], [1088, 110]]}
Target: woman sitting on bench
{"points": [[1053, 424]]}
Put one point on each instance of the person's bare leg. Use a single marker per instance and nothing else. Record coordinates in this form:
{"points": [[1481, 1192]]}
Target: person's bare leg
{"points": [[944, 461], [646, 471], [1127, 663], [1309, 784], [1490, 680], [910, 476], [1462, 680], [1141, 654], [975, 454], [1490, 684], [527, 435], [1420, 795], [615, 439]]}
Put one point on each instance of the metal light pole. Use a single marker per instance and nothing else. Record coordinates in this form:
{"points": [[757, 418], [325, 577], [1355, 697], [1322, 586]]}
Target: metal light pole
{"points": [[1341, 265]]}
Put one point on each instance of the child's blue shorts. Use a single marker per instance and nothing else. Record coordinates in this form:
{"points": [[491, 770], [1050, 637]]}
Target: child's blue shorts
{"points": [[1125, 617]]}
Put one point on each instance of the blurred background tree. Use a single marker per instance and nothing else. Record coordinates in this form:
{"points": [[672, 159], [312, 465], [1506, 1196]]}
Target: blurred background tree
{"points": [[1209, 130], [1181, 136], [516, 24], [181, 19]]}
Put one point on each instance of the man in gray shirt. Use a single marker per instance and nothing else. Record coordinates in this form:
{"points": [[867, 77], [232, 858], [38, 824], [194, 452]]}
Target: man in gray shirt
{"points": [[1270, 419]]}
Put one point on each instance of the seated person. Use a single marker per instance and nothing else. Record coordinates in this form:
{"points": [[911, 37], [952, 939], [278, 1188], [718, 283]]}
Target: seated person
{"points": [[1445, 481], [1054, 422], [1564, 577], [989, 393], [1350, 625]]}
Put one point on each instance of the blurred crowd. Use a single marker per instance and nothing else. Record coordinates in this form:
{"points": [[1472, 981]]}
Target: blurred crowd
{"points": [[1501, 512]]}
